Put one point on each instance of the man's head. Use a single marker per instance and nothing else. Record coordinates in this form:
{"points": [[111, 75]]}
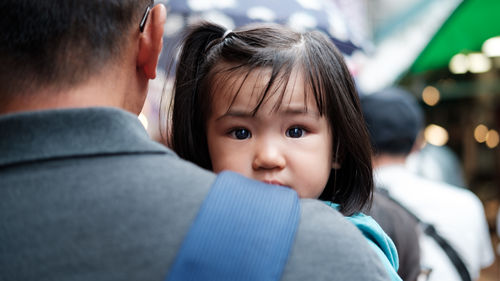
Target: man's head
{"points": [[394, 120], [60, 44]]}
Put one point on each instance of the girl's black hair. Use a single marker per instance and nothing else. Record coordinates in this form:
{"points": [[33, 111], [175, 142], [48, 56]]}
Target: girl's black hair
{"points": [[208, 59]]}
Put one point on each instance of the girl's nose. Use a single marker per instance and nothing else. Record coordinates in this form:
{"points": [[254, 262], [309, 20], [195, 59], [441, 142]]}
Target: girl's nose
{"points": [[268, 156]]}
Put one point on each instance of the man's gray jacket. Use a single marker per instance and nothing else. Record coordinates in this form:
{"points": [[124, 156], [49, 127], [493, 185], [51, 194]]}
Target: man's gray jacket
{"points": [[86, 195]]}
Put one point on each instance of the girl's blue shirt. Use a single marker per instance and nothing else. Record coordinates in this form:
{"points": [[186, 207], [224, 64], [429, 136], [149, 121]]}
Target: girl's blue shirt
{"points": [[378, 240]]}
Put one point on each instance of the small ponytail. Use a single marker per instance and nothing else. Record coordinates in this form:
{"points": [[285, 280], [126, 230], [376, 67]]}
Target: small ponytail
{"points": [[191, 72]]}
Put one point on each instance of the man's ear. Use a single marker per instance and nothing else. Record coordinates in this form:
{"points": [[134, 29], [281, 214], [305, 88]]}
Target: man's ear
{"points": [[151, 41]]}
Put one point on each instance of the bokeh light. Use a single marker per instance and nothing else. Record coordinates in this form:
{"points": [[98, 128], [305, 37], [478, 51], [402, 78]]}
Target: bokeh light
{"points": [[479, 63], [431, 96], [480, 133], [491, 47], [473, 62], [436, 135], [459, 64], [492, 139]]}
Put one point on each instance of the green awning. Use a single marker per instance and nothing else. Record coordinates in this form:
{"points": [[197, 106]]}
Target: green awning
{"points": [[472, 23]]}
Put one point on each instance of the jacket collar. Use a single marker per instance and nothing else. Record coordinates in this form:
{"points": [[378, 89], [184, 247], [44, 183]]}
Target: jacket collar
{"points": [[44, 135]]}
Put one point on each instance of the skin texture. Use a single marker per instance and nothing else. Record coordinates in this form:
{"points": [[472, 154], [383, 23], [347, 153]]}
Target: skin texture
{"points": [[289, 145]]}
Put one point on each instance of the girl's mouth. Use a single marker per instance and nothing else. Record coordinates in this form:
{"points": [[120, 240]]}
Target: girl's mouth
{"points": [[274, 182]]}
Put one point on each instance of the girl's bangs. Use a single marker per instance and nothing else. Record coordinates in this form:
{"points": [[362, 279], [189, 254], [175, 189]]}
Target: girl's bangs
{"points": [[230, 78]]}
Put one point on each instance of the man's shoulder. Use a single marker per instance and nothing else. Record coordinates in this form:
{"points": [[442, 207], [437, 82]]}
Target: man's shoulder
{"points": [[166, 175]]}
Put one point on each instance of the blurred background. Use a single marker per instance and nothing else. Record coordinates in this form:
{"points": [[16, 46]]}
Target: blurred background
{"points": [[445, 52]]}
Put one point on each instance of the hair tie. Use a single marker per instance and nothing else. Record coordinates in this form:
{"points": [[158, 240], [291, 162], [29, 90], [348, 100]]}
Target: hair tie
{"points": [[227, 33]]}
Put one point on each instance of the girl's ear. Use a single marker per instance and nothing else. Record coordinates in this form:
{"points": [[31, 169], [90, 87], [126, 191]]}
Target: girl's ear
{"points": [[336, 165], [151, 41]]}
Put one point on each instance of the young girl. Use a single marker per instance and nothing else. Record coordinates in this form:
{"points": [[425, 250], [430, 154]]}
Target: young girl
{"points": [[280, 107]]}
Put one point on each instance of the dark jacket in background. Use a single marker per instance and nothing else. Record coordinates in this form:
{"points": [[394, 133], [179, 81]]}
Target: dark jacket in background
{"points": [[403, 229]]}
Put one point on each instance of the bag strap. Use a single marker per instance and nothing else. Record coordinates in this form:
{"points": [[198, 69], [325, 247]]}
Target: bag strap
{"points": [[431, 231], [243, 231]]}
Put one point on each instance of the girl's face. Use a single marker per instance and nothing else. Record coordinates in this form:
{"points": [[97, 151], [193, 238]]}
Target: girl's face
{"points": [[290, 146]]}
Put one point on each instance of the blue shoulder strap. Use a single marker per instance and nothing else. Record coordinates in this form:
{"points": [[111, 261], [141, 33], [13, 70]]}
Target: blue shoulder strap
{"points": [[244, 231]]}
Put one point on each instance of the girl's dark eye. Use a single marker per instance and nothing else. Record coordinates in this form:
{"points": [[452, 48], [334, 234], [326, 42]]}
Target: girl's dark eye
{"points": [[295, 132], [241, 134]]}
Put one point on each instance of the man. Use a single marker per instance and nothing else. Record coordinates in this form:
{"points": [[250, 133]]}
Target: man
{"points": [[394, 121], [85, 194]]}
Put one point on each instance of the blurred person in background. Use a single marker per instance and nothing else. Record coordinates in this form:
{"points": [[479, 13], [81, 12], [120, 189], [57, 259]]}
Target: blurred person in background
{"points": [[85, 193], [394, 120], [438, 163]]}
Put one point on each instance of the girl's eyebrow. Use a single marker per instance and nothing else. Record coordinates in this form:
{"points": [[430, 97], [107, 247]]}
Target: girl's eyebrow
{"points": [[236, 113], [300, 111], [287, 111]]}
